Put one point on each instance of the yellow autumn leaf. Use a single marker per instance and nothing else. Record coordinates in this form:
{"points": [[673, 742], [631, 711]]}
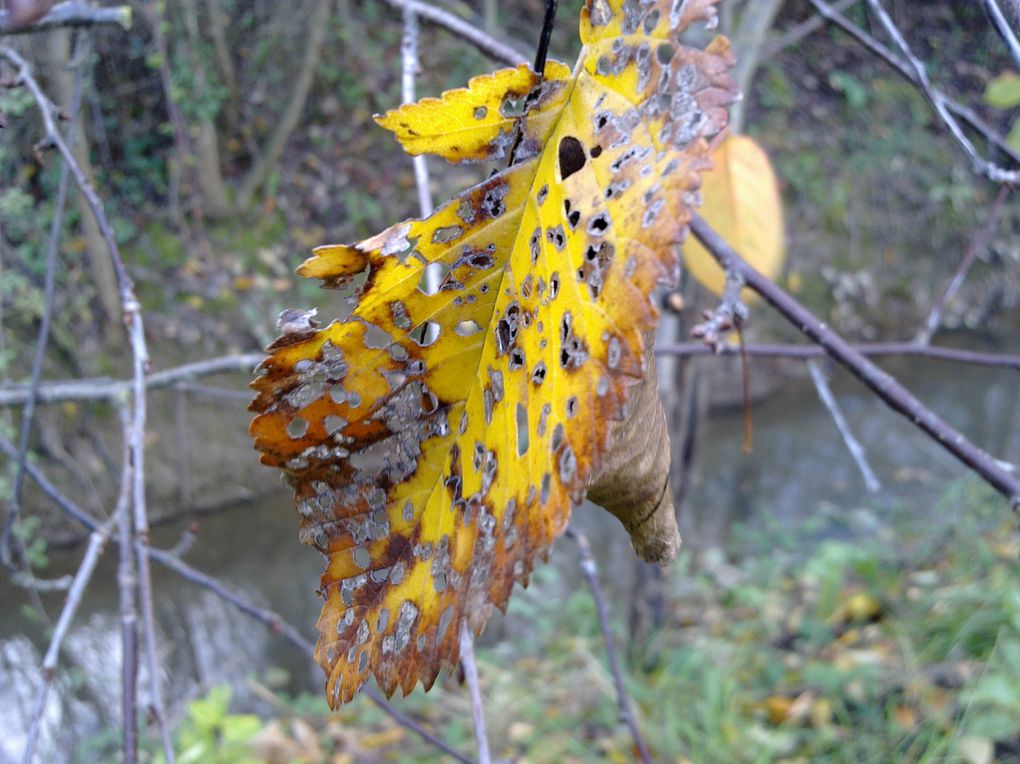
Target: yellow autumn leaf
{"points": [[438, 438], [741, 201]]}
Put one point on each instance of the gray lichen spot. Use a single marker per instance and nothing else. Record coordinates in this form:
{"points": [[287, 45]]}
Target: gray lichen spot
{"points": [[557, 436], [397, 573], [568, 465], [543, 419], [421, 643], [496, 381], [630, 266], [406, 617], [297, 428], [651, 212], [440, 582], [480, 112], [613, 353], [408, 513], [363, 660], [487, 404], [546, 488], [400, 318], [522, 429], [333, 423], [447, 234], [444, 623], [383, 621], [397, 241], [602, 386]]}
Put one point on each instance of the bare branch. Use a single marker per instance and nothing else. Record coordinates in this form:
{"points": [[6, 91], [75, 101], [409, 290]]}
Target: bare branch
{"points": [[895, 395], [590, 572], [267, 617], [852, 444], [467, 661], [97, 543], [990, 170], [977, 245], [805, 352], [804, 29], [963, 112], [1006, 32], [70, 14], [127, 585], [99, 389], [49, 285], [486, 43], [409, 70]]}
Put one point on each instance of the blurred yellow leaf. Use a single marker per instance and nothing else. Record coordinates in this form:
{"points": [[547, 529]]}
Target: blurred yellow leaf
{"points": [[741, 202]]}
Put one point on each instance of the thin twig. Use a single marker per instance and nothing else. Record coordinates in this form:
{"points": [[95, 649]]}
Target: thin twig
{"points": [[127, 586], [486, 43], [984, 167], [852, 444], [97, 543], [977, 245], [98, 389], [267, 617], [70, 14], [49, 285], [803, 30], [885, 349], [995, 473], [906, 70], [591, 575], [409, 71], [1006, 32], [467, 660]]}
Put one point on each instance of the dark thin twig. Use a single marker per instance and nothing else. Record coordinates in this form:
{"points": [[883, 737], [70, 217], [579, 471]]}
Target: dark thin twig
{"points": [[590, 572], [977, 245], [804, 29], [267, 617], [49, 286], [963, 112], [888, 349], [486, 43], [996, 473], [543, 41]]}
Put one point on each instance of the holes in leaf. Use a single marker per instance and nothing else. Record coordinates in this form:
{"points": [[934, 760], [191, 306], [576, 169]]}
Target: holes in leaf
{"points": [[446, 234], [572, 406], [599, 224], [571, 156], [664, 53], [513, 106], [557, 436], [516, 359], [376, 337], [297, 428], [333, 423], [432, 276], [546, 487], [522, 429], [554, 285], [596, 152], [538, 375], [467, 328], [480, 112], [426, 333]]}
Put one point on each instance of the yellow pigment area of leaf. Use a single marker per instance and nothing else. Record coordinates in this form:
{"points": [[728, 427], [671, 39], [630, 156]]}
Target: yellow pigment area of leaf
{"points": [[741, 201], [437, 439], [476, 123]]}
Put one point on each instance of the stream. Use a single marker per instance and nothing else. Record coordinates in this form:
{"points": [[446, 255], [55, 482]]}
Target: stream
{"points": [[798, 467]]}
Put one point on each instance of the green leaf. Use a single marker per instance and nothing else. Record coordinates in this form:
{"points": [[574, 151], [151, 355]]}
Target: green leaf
{"points": [[1003, 92]]}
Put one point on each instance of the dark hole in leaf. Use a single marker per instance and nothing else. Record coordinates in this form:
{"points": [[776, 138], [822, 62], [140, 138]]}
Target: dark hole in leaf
{"points": [[572, 156], [522, 430], [596, 152]]}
